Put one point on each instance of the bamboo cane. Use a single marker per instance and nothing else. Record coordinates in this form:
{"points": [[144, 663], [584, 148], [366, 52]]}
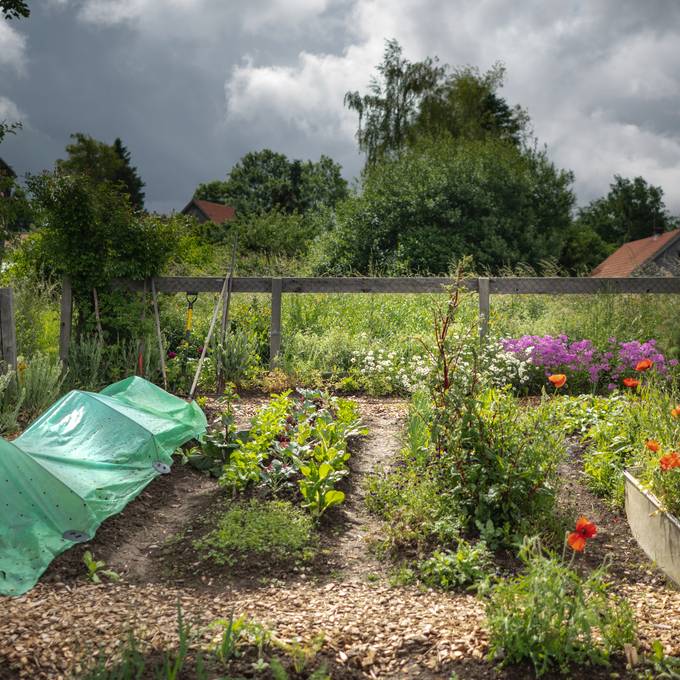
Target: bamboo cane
{"points": [[225, 320], [208, 337]]}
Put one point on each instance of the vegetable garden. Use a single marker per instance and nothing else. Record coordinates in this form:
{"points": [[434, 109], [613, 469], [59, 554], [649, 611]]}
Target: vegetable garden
{"points": [[392, 499]]}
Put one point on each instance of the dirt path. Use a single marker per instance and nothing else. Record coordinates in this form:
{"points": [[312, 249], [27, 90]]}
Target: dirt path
{"points": [[384, 420]]}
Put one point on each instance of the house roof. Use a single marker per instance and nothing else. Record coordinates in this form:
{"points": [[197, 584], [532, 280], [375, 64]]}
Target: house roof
{"points": [[631, 256], [215, 212], [6, 169]]}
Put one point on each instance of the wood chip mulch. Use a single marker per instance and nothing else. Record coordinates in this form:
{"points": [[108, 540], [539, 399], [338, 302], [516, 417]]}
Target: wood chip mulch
{"points": [[377, 630]]}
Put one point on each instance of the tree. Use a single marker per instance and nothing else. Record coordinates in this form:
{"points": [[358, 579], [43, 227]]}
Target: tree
{"points": [[128, 176], [15, 210], [388, 111], [266, 181], [583, 249], [101, 162], [89, 232], [406, 101], [14, 9], [633, 209], [443, 199], [467, 106]]}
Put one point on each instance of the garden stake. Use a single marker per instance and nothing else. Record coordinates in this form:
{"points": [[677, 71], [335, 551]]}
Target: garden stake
{"points": [[141, 342], [192, 391], [157, 319], [225, 320]]}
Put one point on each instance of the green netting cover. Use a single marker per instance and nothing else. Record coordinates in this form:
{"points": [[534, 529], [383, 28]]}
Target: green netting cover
{"points": [[82, 461]]}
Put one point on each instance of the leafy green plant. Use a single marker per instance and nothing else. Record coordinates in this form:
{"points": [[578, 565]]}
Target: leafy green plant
{"points": [[95, 569], [302, 654], [11, 401], [553, 617], [274, 531], [317, 487], [467, 567], [40, 379]]}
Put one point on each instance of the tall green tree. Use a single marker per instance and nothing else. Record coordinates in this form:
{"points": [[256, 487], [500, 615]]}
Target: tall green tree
{"points": [[265, 181], [445, 198], [89, 231], [632, 209], [15, 209], [14, 9], [127, 174], [467, 106], [101, 162], [389, 109], [407, 100]]}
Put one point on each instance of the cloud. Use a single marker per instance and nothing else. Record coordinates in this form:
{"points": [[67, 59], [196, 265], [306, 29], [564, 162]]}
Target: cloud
{"points": [[601, 81], [12, 48], [9, 111], [191, 85]]}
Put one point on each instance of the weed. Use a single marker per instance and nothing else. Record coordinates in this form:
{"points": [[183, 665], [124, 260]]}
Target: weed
{"points": [[272, 531], [95, 569]]}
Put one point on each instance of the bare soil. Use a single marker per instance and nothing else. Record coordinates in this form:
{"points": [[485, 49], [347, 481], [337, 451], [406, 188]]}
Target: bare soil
{"points": [[370, 629]]}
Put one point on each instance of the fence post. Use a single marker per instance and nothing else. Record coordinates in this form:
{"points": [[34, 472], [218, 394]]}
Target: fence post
{"points": [[275, 331], [484, 307], [66, 320], [8, 331]]}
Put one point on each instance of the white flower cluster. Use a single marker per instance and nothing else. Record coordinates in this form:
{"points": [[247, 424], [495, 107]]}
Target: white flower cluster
{"points": [[505, 368], [396, 372]]}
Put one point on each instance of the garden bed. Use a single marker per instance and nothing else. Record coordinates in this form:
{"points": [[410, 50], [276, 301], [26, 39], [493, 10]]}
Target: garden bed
{"points": [[370, 627]]}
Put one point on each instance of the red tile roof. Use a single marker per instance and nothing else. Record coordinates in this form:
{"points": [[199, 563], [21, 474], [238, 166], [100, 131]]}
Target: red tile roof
{"points": [[215, 212], [631, 256]]}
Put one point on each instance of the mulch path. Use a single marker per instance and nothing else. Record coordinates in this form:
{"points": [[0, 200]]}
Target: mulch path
{"points": [[370, 629]]}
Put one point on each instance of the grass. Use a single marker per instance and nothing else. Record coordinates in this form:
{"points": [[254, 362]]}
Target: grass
{"points": [[271, 532]]}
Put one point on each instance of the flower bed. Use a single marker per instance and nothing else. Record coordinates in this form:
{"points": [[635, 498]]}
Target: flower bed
{"points": [[588, 368]]}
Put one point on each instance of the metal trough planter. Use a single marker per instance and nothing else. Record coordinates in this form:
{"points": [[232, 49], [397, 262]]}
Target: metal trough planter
{"points": [[656, 531]]}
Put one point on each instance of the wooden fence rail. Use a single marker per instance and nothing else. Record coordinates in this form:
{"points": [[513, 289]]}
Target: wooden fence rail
{"points": [[485, 287]]}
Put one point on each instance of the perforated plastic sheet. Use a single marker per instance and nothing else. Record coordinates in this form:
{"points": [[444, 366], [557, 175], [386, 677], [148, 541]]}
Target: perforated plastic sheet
{"points": [[82, 461]]}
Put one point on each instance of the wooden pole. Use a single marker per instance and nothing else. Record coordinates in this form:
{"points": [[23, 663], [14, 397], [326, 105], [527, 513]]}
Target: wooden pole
{"points": [[66, 321], [213, 321], [96, 315], [484, 307], [8, 332], [275, 331], [225, 320], [157, 319]]}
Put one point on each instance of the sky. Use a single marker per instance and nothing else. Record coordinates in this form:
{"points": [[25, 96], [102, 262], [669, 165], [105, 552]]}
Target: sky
{"points": [[192, 85]]}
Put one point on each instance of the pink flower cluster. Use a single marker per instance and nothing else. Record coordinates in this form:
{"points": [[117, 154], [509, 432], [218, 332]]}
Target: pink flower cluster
{"points": [[558, 355]]}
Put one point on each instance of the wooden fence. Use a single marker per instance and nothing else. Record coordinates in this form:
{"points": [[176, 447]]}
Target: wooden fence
{"points": [[8, 334], [485, 287]]}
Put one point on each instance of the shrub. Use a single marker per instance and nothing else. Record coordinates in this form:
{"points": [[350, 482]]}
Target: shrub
{"points": [[553, 617], [41, 381], [270, 531], [11, 400]]}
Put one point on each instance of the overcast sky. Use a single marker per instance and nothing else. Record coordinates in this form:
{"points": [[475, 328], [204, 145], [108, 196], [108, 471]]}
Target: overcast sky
{"points": [[192, 85]]}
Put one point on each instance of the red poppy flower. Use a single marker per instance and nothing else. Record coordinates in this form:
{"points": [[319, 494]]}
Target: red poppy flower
{"points": [[670, 461], [653, 445], [558, 379], [675, 412], [584, 530], [631, 382], [644, 365]]}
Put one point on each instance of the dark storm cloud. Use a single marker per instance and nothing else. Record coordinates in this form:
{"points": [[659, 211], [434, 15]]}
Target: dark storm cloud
{"points": [[191, 85]]}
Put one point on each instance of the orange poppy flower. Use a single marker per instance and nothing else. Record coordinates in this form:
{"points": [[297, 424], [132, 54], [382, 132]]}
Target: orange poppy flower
{"points": [[631, 382], [558, 379], [670, 461], [644, 365], [675, 412], [584, 530], [652, 445]]}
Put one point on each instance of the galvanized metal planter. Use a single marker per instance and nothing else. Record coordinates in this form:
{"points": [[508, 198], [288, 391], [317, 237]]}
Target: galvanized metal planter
{"points": [[656, 531]]}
